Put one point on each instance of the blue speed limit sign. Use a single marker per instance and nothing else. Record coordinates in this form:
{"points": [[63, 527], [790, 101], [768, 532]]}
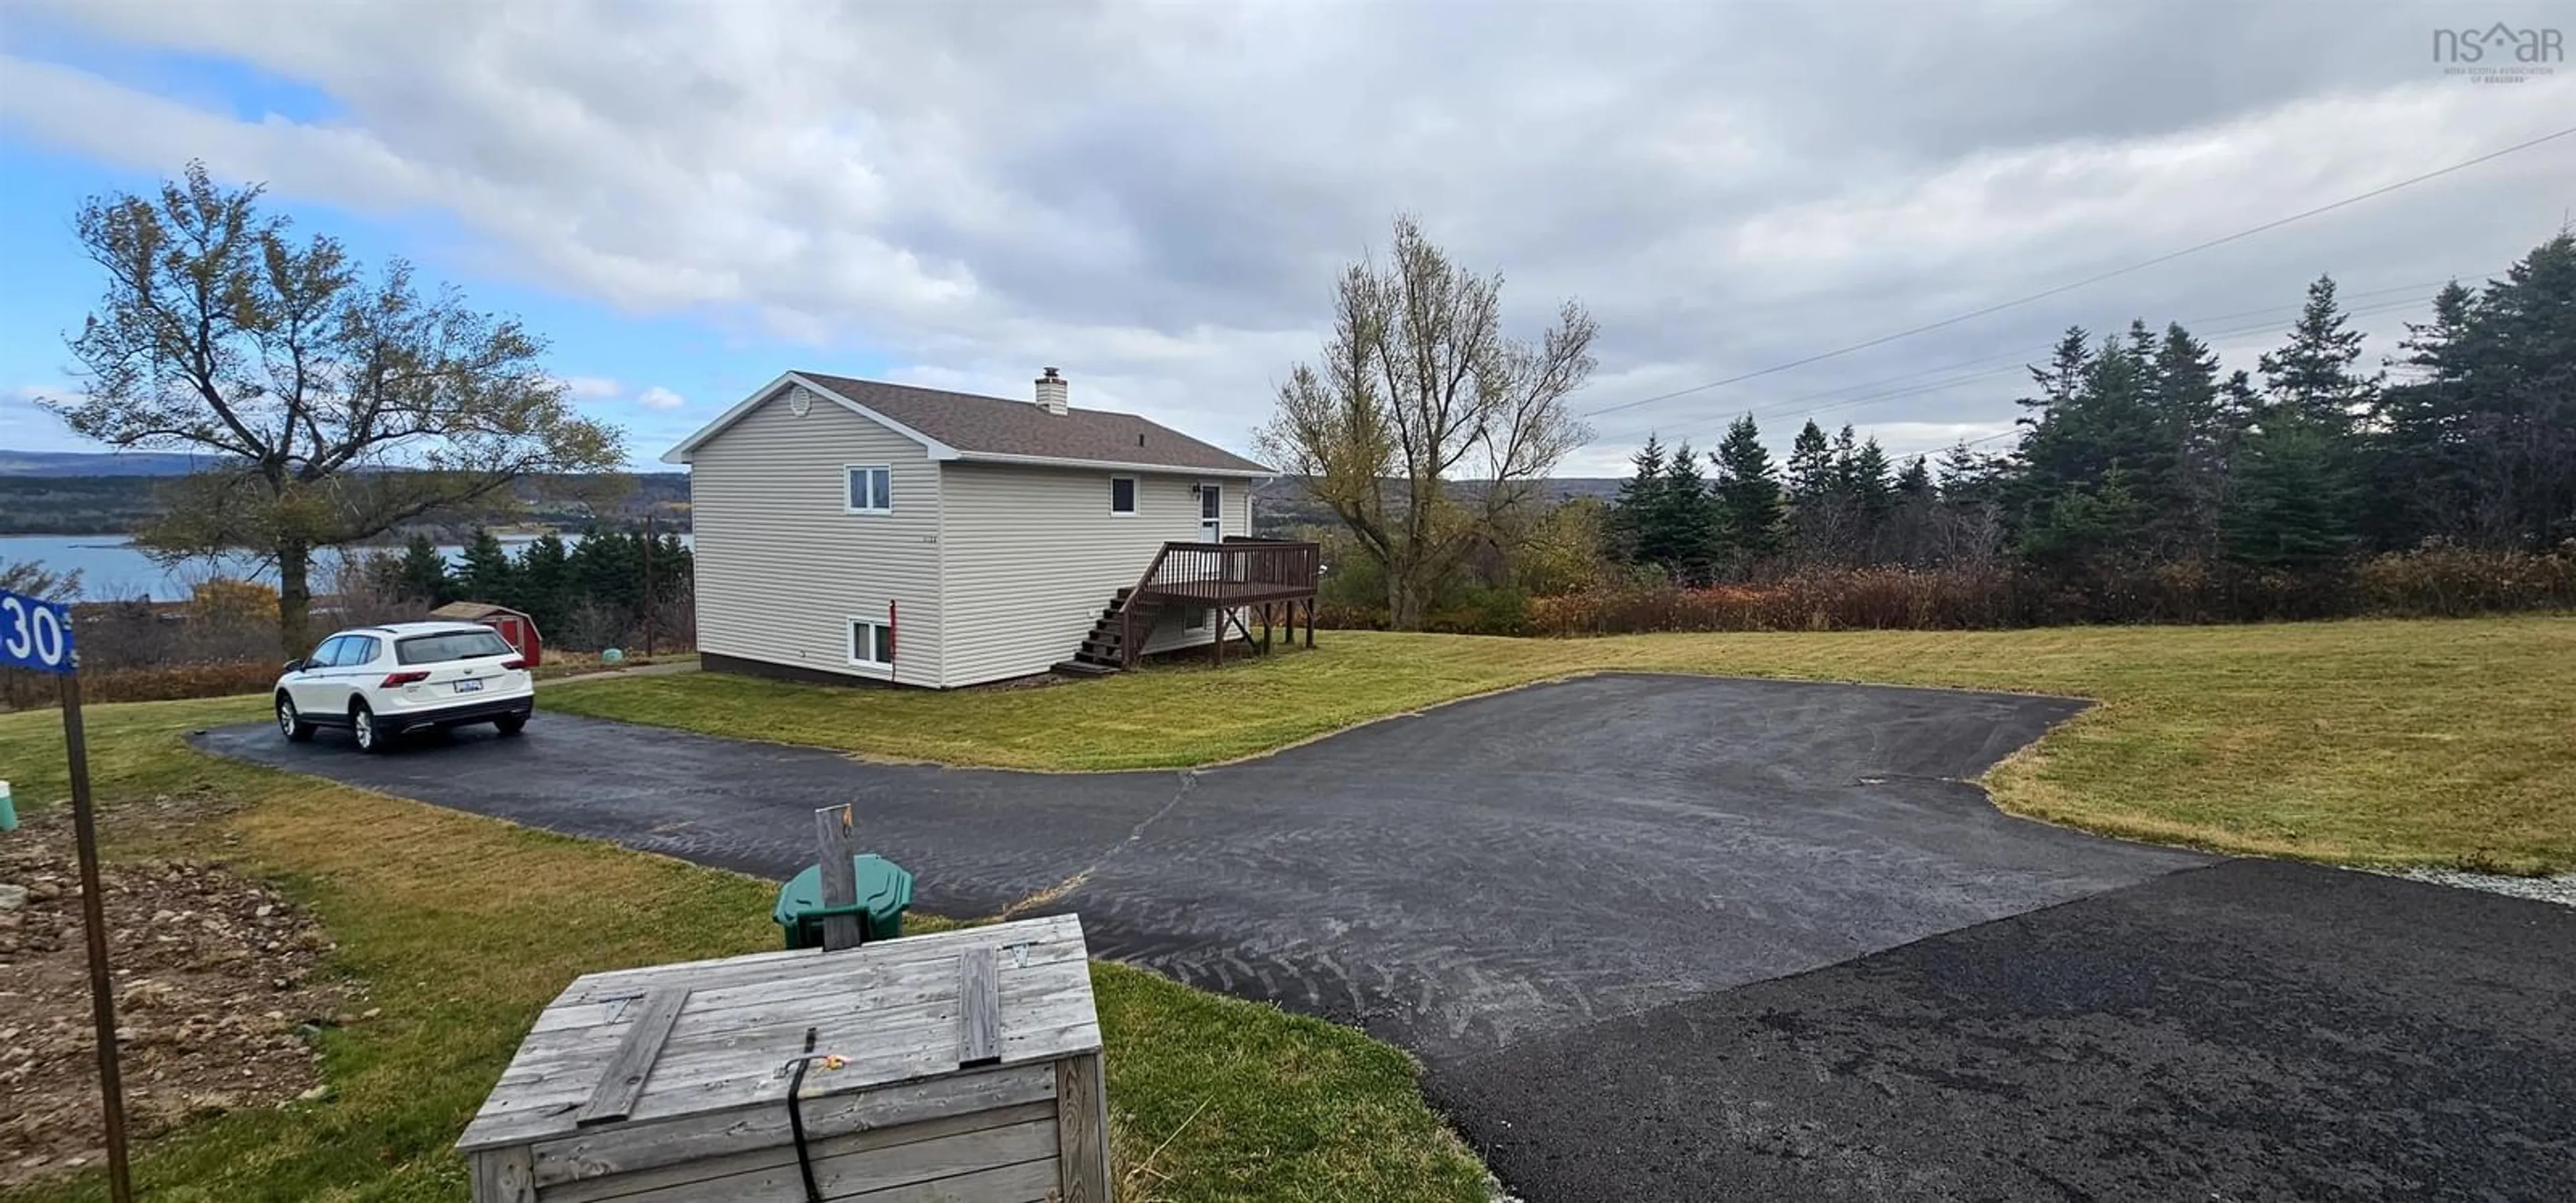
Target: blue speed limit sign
{"points": [[35, 634]]}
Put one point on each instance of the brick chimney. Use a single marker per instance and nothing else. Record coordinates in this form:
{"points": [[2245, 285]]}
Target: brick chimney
{"points": [[1051, 390]]}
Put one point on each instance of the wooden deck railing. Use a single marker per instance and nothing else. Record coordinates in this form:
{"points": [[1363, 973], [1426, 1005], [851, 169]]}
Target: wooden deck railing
{"points": [[1233, 572], [1237, 572]]}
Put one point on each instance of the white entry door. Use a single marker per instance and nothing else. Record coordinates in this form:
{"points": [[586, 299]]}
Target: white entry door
{"points": [[1211, 514]]}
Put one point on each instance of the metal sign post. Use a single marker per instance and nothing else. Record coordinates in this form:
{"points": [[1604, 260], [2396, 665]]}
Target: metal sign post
{"points": [[37, 634]]}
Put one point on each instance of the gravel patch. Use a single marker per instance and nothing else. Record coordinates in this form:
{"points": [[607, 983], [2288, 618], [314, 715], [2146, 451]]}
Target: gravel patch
{"points": [[2560, 889], [219, 996]]}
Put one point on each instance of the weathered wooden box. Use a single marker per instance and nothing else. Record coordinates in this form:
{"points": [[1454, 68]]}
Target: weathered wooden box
{"points": [[971, 1073]]}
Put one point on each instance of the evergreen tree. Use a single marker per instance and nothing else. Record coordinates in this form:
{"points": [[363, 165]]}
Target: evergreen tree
{"points": [[2147, 406], [2189, 460], [1868, 477], [2521, 400], [1630, 511], [1915, 482], [2186, 393], [2240, 405], [1748, 494], [608, 569], [2313, 372], [2421, 463], [1910, 532], [487, 574], [1846, 449], [2285, 509], [422, 574], [2044, 469], [2142, 341], [1811, 464], [2482, 446], [675, 567], [1968, 527], [2064, 376], [1820, 517], [1969, 476], [1685, 527], [546, 583], [2082, 525]]}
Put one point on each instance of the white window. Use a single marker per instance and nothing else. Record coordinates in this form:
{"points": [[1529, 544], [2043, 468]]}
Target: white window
{"points": [[1122, 496], [1194, 618], [870, 489], [871, 643]]}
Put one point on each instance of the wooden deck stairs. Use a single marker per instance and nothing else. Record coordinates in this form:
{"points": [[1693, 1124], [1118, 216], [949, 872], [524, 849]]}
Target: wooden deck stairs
{"points": [[1235, 580], [1104, 649]]}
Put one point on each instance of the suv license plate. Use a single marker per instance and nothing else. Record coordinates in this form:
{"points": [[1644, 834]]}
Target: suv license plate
{"points": [[469, 685]]}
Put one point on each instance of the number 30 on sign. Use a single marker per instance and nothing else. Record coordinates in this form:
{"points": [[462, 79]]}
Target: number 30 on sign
{"points": [[35, 634]]}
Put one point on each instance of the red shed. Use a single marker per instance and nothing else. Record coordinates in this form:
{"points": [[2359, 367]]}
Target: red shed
{"points": [[514, 626]]}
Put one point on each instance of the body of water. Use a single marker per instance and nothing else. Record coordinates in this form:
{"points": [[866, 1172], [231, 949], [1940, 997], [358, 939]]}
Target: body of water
{"points": [[111, 568]]}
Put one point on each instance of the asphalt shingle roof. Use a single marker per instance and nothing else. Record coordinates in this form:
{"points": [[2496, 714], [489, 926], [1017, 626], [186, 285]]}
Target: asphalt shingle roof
{"points": [[995, 426]]}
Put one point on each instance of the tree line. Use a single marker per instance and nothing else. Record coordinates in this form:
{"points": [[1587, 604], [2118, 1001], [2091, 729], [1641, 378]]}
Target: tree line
{"points": [[2136, 449], [2143, 480], [592, 592]]}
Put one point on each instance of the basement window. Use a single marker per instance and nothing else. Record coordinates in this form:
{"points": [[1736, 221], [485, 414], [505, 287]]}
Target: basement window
{"points": [[1122, 496], [870, 489], [871, 644]]}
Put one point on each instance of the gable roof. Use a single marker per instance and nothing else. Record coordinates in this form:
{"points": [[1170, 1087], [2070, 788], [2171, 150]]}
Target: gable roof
{"points": [[967, 426]]}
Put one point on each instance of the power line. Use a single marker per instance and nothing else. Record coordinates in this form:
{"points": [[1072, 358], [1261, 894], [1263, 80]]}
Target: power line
{"points": [[2371, 310], [2015, 360], [1792, 405], [2115, 273]]}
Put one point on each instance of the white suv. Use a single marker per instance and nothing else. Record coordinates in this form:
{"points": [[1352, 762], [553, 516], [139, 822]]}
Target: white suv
{"points": [[382, 681]]}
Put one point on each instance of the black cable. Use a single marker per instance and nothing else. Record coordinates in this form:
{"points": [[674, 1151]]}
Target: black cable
{"points": [[2142, 265], [796, 1120]]}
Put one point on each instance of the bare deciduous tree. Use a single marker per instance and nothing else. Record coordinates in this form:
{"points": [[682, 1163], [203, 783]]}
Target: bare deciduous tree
{"points": [[340, 407], [1420, 392]]}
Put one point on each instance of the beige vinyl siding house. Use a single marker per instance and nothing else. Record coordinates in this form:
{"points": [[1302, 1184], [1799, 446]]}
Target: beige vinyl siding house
{"points": [[981, 555], [783, 568], [1020, 538]]}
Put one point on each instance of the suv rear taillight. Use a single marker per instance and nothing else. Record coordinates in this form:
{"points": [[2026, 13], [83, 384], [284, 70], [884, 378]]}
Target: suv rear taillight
{"points": [[514, 664], [394, 679]]}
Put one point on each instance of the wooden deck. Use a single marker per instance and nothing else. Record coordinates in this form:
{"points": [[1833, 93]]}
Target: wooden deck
{"points": [[1237, 572], [1239, 581]]}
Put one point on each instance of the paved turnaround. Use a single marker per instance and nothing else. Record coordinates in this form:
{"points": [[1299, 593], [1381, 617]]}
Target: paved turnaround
{"points": [[1679, 938]]}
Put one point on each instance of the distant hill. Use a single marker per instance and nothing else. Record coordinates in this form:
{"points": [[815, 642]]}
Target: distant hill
{"points": [[101, 463], [39, 498], [1281, 506]]}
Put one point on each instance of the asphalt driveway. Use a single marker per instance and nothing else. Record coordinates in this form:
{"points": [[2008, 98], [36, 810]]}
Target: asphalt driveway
{"points": [[1563, 899]]}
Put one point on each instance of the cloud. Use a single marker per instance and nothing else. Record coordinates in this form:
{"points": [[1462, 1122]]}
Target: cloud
{"points": [[28, 426], [660, 398], [1157, 198], [589, 388]]}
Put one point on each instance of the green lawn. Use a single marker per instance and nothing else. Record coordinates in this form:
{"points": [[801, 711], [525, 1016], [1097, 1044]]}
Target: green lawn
{"points": [[2381, 742], [461, 928], [2371, 742]]}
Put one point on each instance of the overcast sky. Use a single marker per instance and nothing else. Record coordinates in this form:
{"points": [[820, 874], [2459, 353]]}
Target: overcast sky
{"points": [[693, 198]]}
